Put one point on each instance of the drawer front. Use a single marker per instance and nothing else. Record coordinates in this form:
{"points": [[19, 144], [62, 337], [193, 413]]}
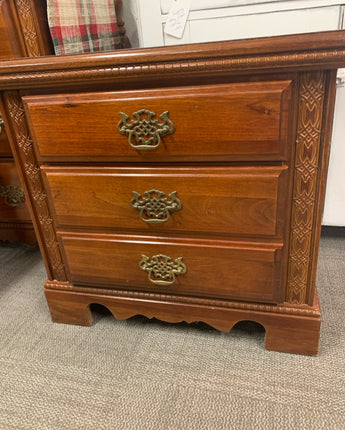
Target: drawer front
{"points": [[229, 200], [5, 45], [199, 268], [12, 199], [5, 150], [243, 121]]}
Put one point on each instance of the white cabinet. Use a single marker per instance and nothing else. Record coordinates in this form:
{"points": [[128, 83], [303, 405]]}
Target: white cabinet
{"points": [[212, 20], [334, 212]]}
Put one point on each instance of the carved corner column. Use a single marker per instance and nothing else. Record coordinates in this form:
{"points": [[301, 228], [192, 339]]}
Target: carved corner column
{"points": [[32, 180], [121, 25], [309, 161]]}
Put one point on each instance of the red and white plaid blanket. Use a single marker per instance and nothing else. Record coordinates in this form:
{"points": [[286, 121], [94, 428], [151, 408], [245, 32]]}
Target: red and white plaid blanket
{"points": [[78, 26]]}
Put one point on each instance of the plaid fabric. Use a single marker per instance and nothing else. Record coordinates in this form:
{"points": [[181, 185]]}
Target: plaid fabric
{"points": [[78, 26]]}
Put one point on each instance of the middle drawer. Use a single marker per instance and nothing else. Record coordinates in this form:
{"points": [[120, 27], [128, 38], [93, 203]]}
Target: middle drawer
{"points": [[233, 200]]}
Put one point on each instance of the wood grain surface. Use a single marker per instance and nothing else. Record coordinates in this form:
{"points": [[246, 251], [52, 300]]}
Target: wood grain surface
{"points": [[214, 269], [248, 159], [237, 201], [218, 122]]}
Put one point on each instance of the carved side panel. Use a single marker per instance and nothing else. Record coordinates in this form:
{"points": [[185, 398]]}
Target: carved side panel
{"points": [[34, 183], [29, 29], [311, 103]]}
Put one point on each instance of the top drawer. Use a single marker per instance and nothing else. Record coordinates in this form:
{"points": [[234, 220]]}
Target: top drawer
{"points": [[243, 121]]}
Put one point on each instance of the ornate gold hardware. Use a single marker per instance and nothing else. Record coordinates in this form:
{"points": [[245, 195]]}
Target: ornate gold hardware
{"points": [[162, 269], [146, 130], [12, 194], [2, 123], [154, 207]]}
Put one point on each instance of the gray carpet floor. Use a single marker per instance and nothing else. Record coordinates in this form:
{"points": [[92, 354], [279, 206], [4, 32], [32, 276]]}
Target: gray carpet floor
{"points": [[146, 374]]}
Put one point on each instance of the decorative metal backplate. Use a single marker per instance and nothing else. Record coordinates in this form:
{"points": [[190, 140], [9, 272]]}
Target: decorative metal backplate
{"points": [[154, 206], [12, 194], [162, 269], [144, 132], [2, 123]]}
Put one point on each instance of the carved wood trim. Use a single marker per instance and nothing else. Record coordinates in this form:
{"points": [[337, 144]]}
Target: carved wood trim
{"points": [[306, 170], [34, 27], [284, 308], [137, 66], [18, 232], [25, 13], [16, 225], [33, 181]]}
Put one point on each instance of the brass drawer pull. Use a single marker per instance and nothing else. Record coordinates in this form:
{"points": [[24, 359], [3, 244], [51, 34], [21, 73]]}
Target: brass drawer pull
{"points": [[162, 269], [146, 131], [2, 123], [154, 206], [12, 194]]}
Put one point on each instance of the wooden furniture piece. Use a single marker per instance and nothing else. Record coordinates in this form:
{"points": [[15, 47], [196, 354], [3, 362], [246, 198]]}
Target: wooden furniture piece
{"points": [[24, 32], [182, 183]]}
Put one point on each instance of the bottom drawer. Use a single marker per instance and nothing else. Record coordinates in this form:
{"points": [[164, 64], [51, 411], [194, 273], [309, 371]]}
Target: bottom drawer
{"points": [[239, 271], [12, 198]]}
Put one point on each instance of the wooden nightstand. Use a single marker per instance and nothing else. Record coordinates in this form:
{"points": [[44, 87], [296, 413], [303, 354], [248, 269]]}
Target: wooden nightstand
{"points": [[181, 183]]}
